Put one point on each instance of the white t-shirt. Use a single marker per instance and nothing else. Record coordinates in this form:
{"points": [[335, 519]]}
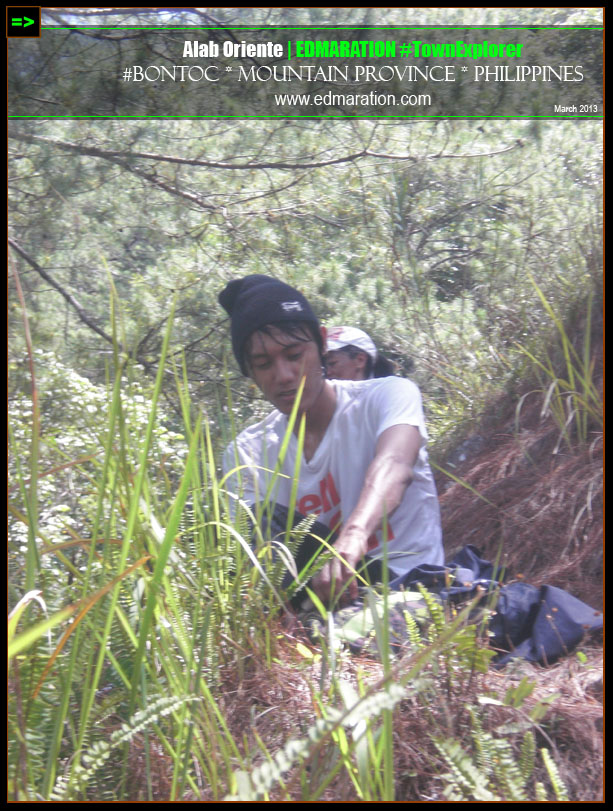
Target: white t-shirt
{"points": [[330, 483]]}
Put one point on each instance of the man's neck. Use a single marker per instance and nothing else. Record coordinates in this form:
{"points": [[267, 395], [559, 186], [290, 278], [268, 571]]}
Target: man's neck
{"points": [[318, 418]]}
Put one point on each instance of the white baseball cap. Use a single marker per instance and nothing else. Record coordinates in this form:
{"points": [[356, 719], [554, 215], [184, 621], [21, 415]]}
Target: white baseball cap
{"points": [[339, 337]]}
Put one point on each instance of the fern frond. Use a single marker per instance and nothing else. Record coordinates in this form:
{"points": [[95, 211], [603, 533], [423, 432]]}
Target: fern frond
{"points": [[285, 555], [482, 743], [464, 774], [435, 608], [413, 631], [527, 754], [254, 786], [540, 792], [554, 775], [507, 772], [73, 784]]}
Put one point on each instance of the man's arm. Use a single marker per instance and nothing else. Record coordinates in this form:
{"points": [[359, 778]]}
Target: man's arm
{"points": [[387, 478]]}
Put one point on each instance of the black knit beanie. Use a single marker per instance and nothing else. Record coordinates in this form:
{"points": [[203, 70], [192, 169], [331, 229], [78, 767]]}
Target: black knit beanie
{"points": [[255, 301]]}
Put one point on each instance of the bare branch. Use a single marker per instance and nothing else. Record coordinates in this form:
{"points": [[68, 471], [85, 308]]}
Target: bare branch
{"points": [[112, 154], [85, 318]]}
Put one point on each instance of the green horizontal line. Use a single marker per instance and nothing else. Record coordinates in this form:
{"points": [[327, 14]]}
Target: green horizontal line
{"points": [[323, 28], [262, 117]]}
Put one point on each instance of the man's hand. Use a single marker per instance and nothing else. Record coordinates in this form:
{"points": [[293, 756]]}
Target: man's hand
{"points": [[387, 478], [350, 548]]}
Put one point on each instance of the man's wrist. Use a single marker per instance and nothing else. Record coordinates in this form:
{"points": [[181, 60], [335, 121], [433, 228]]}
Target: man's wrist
{"points": [[356, 537]]}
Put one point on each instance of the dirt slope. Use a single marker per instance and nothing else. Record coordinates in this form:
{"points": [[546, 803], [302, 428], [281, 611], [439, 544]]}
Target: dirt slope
{"points": [[532, 496]]}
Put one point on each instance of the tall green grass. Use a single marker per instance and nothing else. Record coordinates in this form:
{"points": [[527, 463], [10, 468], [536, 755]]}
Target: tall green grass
{"points": [[569, 390], [122, 681]]}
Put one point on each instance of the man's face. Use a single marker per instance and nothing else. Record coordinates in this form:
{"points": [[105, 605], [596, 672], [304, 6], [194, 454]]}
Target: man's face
{"points": [[277, 363], [341, 366]]}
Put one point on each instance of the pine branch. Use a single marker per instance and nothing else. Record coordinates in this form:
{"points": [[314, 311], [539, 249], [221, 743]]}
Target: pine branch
{"points": [[84, 317], [72, 301], [115, 155]]}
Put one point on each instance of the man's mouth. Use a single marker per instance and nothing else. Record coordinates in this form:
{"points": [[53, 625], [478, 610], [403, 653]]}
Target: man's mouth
{"points": [[286, 399]]}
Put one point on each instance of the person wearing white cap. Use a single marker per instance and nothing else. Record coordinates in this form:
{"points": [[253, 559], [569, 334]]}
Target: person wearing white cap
{"points": [[352, 355]]}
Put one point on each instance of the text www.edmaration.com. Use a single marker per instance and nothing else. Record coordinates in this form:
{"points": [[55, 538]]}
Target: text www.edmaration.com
{"points": [[372, 99]]}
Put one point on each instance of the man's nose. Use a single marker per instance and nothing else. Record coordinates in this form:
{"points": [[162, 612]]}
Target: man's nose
{"points": [[285, 370]]}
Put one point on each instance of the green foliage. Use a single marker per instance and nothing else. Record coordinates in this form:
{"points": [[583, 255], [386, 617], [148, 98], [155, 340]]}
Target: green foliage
{"points": [[493, 770], [168, 596], [427, 241], [556, 781], [570, 391], [67, 788], [149, 607], [256, 785], [130, 580]]}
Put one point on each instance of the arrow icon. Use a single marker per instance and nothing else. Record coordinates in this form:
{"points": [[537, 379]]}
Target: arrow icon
{"points": [[20, 23]]}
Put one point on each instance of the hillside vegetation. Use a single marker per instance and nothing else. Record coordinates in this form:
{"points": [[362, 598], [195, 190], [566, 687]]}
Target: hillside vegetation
{"points": [[151, 658]]}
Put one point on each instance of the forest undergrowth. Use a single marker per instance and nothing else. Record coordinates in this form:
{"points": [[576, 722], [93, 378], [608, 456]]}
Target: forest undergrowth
{"points": [[167, 666]]}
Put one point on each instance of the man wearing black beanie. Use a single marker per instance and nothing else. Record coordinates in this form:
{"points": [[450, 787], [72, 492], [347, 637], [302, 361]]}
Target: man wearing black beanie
{"points": [[363, 470]]}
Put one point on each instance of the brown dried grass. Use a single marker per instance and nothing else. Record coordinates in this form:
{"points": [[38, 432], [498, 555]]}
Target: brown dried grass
{"points": [[274, 704], [540, 505]]}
